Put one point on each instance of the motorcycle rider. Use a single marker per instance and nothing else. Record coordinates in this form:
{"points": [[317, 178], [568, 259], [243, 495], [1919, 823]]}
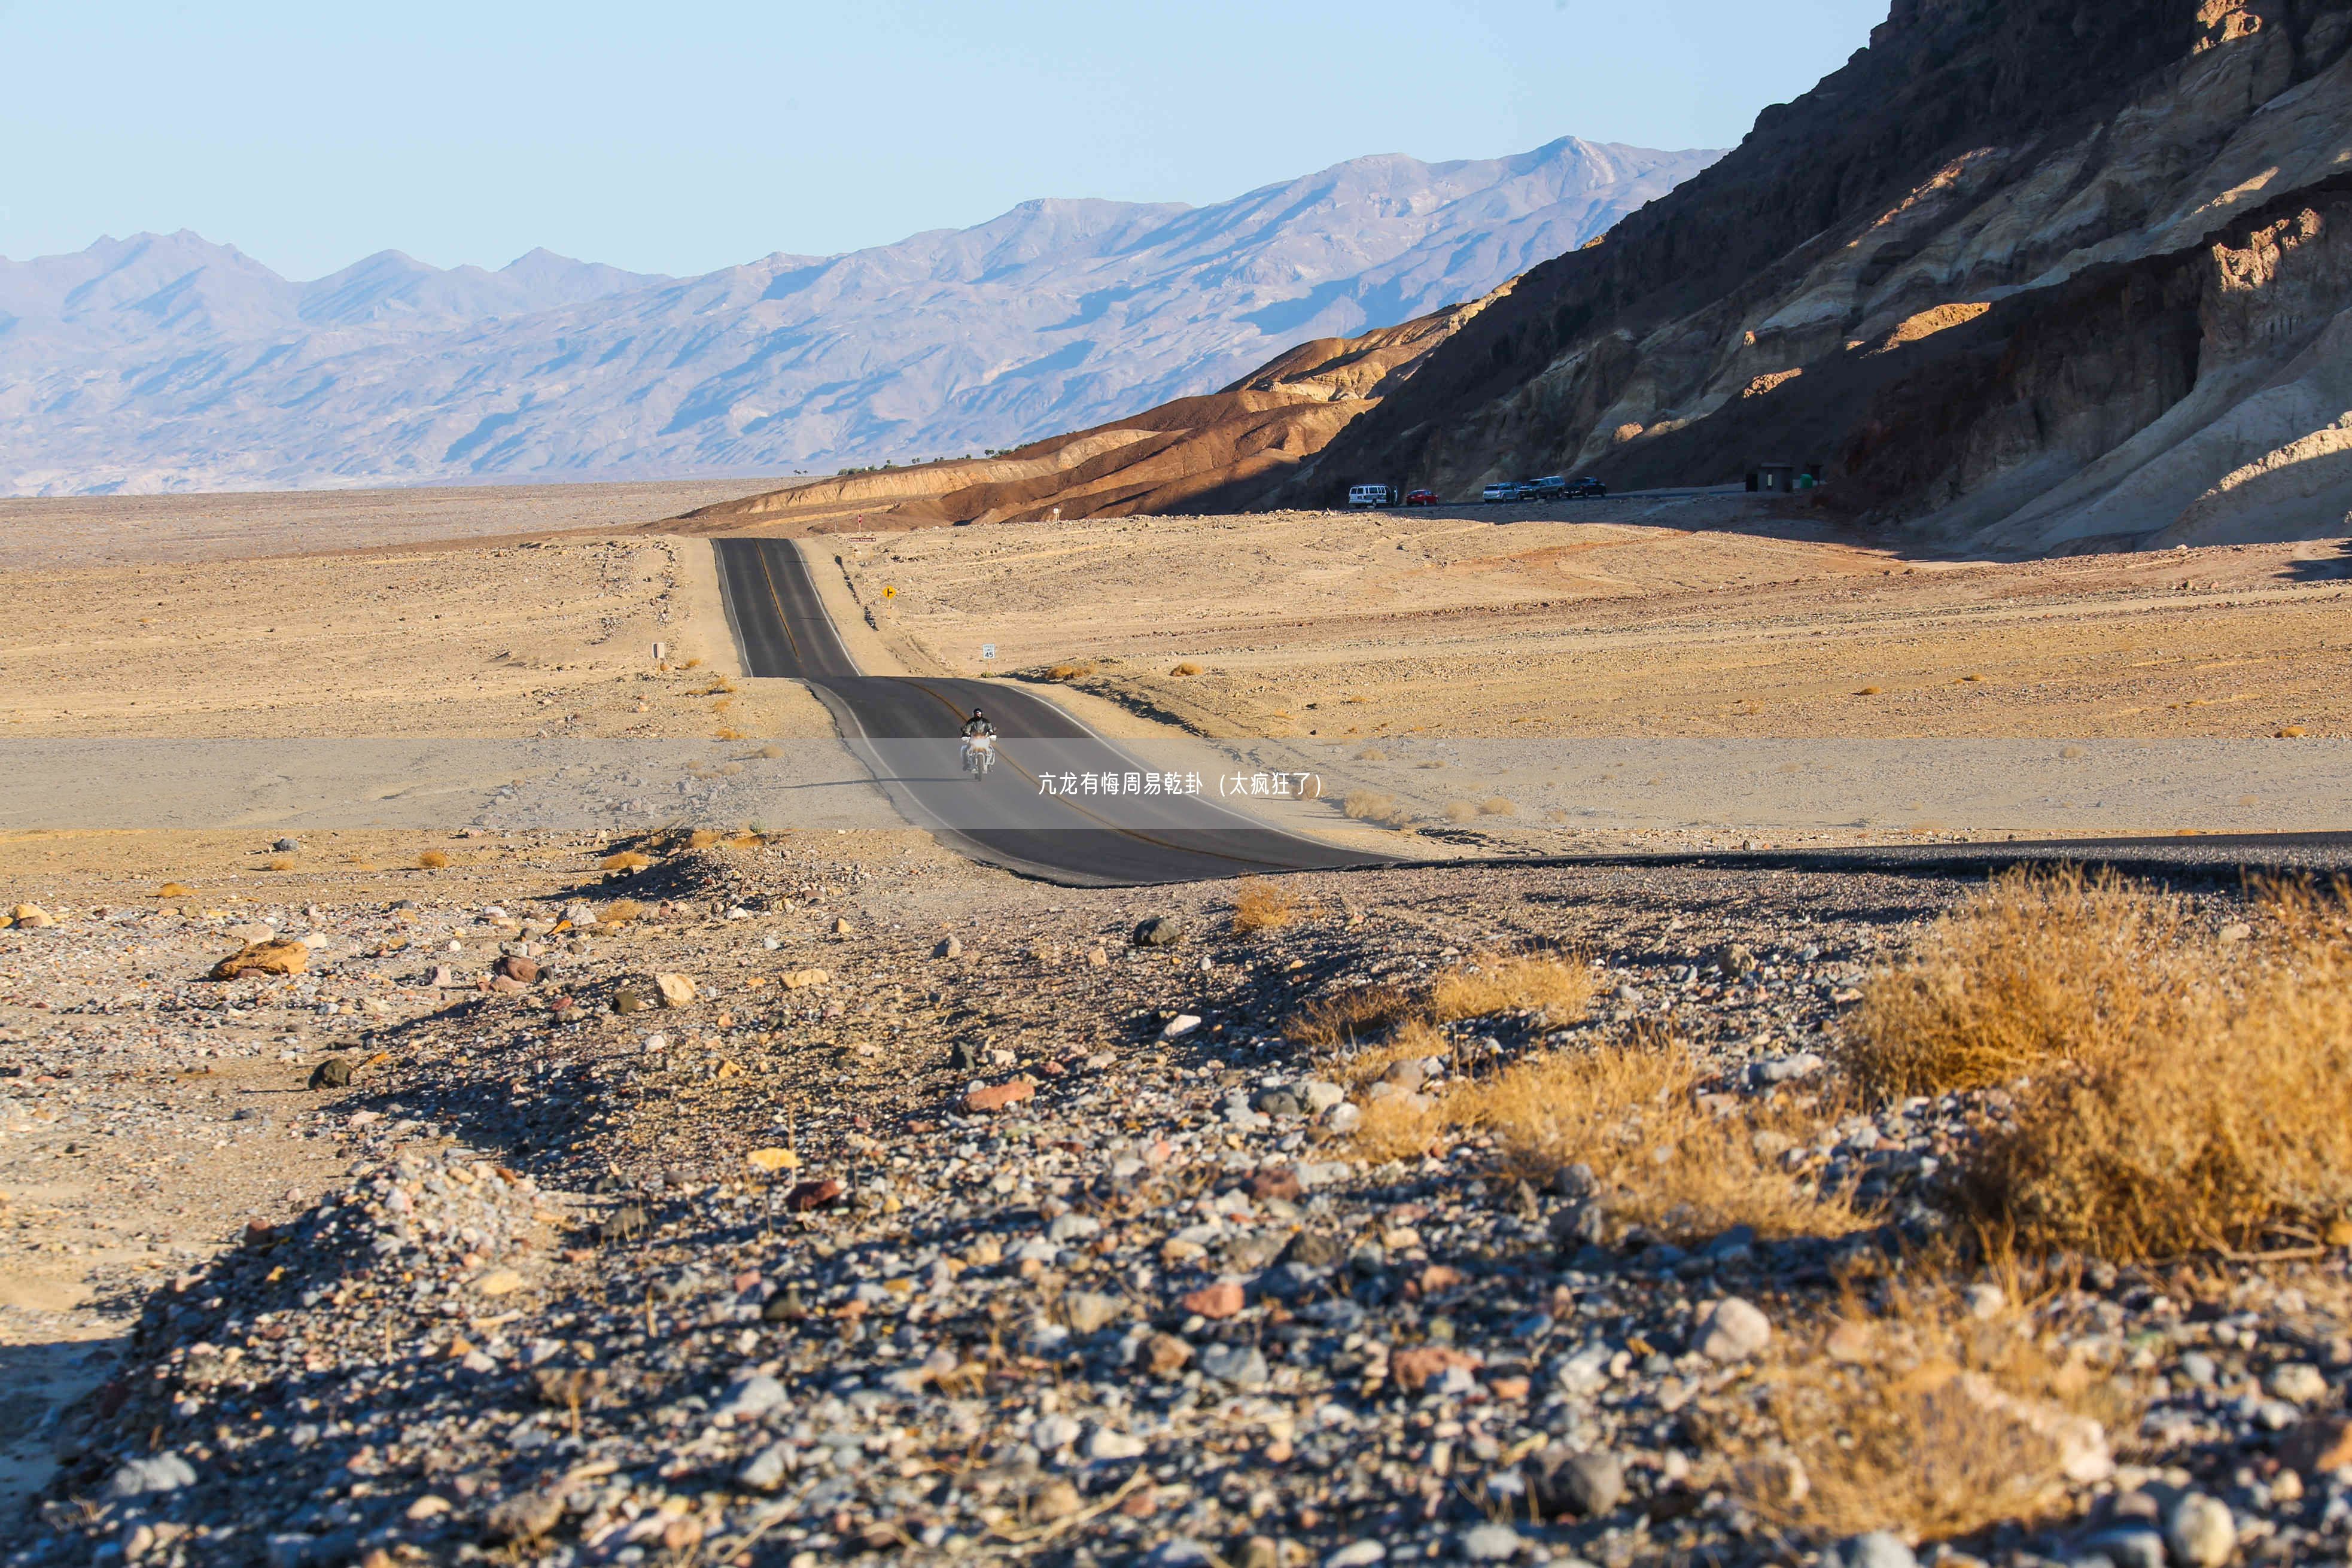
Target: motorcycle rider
{"points": [[979, 742]]}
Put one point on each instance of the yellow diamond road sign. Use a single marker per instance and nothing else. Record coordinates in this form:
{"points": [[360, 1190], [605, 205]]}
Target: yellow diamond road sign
{"points": [[888, 591]]}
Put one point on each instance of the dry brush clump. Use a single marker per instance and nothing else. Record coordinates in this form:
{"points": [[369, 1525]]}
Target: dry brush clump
{"points": [[2168, 1089], [1382, 810], [625, 860], [1261, 906], [2034, 968], [1933, 1411], [1492, 985], [1682, 1165], [1361, 1015], [1358, 1013], [433, 859]]}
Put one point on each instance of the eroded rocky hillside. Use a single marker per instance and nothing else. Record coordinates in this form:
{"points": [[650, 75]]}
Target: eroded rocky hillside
{"points": [[1163, 459], [2033, 276]]}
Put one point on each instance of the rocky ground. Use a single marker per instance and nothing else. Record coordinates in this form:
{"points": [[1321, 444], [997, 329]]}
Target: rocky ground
{"points": [[848, 1200]]}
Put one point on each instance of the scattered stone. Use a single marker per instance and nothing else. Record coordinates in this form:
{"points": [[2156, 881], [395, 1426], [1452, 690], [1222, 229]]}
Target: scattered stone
{"points": [[1774, 1070], [335, 1073], [767, 1469], [525, 1517], [951, 948], [285, 847], [801, 979], [1733, 1330], [1165, 1355], [1564, 1485], [1160, 931], [676, 991], [31, 916], [275, 956], [2200, 1531], [516, 966], [1413, 1368], [1222, 1299], [813, 1195], [997, 1096], [1876, 1549], [2298, 1381], [1491, 1543], [1180, 1025], [752, 1395], [1055, 1499], [1086, 1311], [151, 1473]]}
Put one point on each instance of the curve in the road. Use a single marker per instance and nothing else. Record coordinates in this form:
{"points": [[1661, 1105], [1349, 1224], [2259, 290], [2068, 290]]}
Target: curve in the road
{"points": [[904, 728]]}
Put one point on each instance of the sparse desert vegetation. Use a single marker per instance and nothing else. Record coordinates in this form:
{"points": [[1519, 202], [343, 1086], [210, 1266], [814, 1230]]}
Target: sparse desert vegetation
{"points": [[1263, 906]]}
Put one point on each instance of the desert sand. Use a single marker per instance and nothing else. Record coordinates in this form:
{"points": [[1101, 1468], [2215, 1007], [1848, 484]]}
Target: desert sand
{"points": [[1704, 615]]}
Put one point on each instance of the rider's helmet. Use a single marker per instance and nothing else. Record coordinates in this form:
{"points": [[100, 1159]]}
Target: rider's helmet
{"points": [[977, 713]]}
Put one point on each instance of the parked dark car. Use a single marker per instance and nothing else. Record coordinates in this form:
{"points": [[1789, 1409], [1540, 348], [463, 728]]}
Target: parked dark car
{"points": [[1587, 490], [1547, 488]]}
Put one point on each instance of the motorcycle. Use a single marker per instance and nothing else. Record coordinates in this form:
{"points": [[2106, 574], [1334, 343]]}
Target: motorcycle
{"points": [[979, 754]]}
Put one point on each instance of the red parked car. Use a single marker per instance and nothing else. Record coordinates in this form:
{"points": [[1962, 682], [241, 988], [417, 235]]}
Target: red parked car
{"points": [[1421, 497]]}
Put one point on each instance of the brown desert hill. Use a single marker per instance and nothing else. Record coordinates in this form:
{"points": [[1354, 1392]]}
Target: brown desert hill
{"points": [[1162, 460], [2028, 275]]}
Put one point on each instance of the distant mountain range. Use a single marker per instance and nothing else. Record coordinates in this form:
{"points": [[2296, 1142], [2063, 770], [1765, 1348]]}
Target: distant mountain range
{"points": [[167, 363]]}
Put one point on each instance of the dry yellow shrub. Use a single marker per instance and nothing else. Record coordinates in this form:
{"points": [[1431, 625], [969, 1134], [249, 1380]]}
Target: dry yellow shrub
{"points": [[175, 890], [1071, 672], [1372, 806], [1493, 985], [625, 860], [1459, 810], [2035, 968], [2227, 1124], [1659, 1157], [620, 912], [277, 863], [1355, 1014], [432, 860], [703, 838], [1187, 668], [2179, 1093], [1260, 905], [1924, 1417]]}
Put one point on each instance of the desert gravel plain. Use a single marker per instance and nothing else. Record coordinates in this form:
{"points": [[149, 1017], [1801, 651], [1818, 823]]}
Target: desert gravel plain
{"points": [[1706, 614], [569, 1198]]}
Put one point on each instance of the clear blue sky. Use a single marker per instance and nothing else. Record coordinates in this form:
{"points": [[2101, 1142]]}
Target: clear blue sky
{"points": [[682, 138]]}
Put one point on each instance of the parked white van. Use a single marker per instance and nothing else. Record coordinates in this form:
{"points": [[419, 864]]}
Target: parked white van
{"points": [[1372, 496]]}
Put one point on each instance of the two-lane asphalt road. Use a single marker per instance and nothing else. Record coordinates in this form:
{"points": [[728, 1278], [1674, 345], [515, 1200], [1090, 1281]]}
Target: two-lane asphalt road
{"points": [[1131, 830]]}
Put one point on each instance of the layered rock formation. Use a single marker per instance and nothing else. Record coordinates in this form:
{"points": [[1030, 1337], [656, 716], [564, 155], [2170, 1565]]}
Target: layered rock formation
{"points": [[2025, 274], [1173, 458]]}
